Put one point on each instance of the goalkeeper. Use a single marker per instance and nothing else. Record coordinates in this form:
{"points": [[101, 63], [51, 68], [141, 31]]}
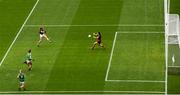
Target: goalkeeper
{"points": [[98, 41]]}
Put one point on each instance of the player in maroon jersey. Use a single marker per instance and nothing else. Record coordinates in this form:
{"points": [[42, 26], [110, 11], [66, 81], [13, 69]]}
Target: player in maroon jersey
{"points": [[98, 41], [43, 35]]}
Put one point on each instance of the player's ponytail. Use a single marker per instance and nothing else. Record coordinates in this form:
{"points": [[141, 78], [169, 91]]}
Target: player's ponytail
{"points": [[99, 33]]}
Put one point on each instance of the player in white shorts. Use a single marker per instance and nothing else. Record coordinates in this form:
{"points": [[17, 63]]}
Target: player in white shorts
{"points": [[43, 35]]}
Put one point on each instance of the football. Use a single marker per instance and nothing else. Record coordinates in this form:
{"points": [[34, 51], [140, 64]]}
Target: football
{"points": [[89, 36]]}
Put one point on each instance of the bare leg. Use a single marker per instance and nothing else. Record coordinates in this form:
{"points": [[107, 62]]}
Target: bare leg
{"points": [[24, 88], [39, 42], [101, 45], [30, 67], [47, 39], [94, 45]]}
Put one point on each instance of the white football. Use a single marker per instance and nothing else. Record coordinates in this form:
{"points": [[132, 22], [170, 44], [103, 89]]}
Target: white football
{"points": [[89, 36]]}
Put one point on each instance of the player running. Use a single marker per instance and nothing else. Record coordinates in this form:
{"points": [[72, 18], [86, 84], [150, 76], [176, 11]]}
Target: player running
{"points": [[98, 41], [43, 35], [29, 60], [21, 78]]}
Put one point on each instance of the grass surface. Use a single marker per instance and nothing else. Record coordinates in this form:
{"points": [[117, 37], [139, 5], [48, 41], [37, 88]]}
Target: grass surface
{"points": [[12, 17], [68, 63], [150, 58], [174, 7]]}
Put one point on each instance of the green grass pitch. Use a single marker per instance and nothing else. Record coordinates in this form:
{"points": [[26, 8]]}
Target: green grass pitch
{"points": [[133, 60]]}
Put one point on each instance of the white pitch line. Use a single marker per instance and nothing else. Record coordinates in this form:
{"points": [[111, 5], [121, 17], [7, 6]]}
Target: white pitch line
{"points": [[140, 32], [173, 43], [122, 25], [166, 19], [141, 92], [17, 35], [109, 65], [174, 66], [137, 81]]}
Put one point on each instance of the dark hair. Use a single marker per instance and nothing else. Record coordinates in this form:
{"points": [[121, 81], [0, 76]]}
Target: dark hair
{"points": [[29, 50], [41, 28], [99, 34]]}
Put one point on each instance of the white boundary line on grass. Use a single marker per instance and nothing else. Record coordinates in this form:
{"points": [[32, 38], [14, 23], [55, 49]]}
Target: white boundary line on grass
{"points": [[112, 51], [113, 92], [166, 19], [174, 66], [111, 25], [139, 32], [135, 81], [17, 35]]}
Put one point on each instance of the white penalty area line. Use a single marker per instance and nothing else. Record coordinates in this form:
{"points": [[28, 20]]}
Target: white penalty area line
{"points": [[140, 32], [109, 65], [173, 43], [137, 81], [111, 55], [111, 25], [174, 66], [17, 35], [78, 92]]}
